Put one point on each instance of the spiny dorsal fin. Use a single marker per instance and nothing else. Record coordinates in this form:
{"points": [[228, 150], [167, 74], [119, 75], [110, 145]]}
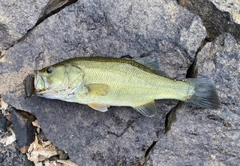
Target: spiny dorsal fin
{"points": [[98, 89], [150, 60], [98, 107], [153, 62], [148, 109], [161, 73]]}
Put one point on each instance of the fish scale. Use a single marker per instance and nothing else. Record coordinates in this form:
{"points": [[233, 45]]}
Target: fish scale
{"points": [[135, 80]]}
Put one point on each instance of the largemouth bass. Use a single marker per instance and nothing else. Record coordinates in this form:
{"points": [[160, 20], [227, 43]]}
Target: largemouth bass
{"points": [[101, 82]]}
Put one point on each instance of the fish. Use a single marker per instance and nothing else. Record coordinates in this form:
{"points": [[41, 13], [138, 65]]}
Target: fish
{"points": [[101, 82]]}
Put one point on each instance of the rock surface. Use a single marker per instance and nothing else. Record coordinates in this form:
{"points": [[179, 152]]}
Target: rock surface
{"points": [[214, 19], [230, 6], [122, 136], [17, 17], [23, 128], [208, 137]]}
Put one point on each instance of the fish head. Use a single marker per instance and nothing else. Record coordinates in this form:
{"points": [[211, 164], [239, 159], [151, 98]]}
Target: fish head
{"points": [[60, 81]]}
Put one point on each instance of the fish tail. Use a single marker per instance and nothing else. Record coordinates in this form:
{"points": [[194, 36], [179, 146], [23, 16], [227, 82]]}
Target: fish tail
{"points": [[203, 93]]}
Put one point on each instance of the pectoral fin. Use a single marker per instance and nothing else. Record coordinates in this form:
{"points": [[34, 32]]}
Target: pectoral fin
{"points": [[98, 89], [98, 107], [148, 109]]}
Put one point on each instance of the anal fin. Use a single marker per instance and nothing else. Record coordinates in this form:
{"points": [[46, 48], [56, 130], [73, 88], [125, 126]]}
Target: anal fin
{"points": [[98, 107], [148, 109]]}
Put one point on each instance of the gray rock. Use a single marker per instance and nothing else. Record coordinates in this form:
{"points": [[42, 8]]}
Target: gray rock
{"points": [[17, 17], [54, 40], [122, 136], [214, 16], [190, 37], [230, 6], [23, 128], [208, 137]]}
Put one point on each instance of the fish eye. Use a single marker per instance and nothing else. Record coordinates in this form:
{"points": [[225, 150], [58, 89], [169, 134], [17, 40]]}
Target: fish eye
{"points": [[49, 70]]}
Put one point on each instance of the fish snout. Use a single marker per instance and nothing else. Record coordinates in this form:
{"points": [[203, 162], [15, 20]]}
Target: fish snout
{"points": [[40, 82], [36, 78]]}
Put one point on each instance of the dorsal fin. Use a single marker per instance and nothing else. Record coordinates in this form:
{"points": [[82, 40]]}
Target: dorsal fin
{"points": [[150, 60]]}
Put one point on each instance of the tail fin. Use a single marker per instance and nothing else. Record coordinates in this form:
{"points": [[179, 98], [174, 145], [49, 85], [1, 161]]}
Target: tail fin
{"points": [[203, 93]]}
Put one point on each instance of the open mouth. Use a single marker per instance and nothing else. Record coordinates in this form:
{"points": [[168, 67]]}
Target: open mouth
{"points": [[36, 78], [58, 90], [40, 82]]}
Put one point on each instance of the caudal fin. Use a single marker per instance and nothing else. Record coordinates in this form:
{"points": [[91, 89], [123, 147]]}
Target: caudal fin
{"points": [[203, 93]]}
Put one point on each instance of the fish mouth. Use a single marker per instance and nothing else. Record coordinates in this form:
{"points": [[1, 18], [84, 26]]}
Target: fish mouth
{"points": [[62, 91], [36, 78], [40, 83]]}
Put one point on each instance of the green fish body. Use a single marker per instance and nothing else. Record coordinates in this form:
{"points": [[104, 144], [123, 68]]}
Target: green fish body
{"points": [[102, 82]]}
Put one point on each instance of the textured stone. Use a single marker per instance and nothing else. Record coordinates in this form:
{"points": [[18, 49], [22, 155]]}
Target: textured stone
{"points": [[94, 31], [122, 136], [190, 37], [23, 128], [208, 137], [16, 18], [112, 28], [230, 6], [216, 20]]}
